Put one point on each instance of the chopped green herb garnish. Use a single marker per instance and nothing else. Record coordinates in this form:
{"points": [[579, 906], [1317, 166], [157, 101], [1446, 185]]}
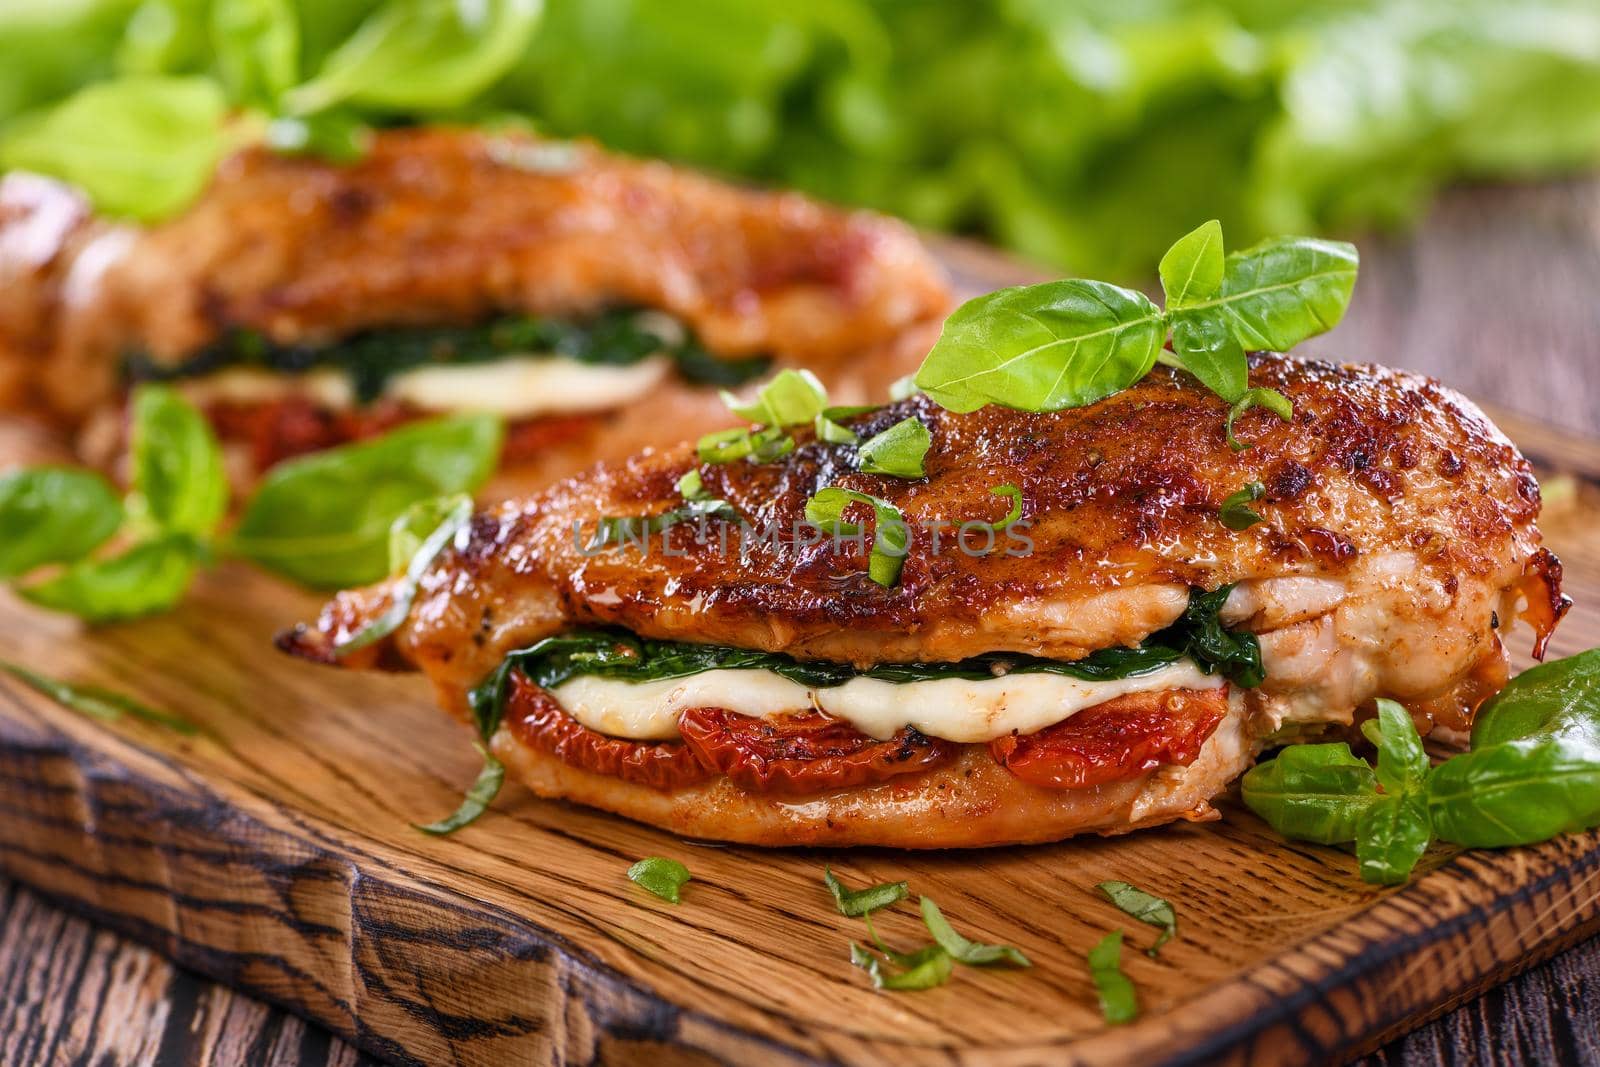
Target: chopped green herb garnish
{"points": [[1118, 1002], [615, 530], [1235, 512], [924, 969], [791, 398], [95, 701], [449, 516], [1015, 496], [1270, 399], [891, 537], [897, 451], [1146, 908], [663, 877], [476, 802], [858, 902], [972, 953]]}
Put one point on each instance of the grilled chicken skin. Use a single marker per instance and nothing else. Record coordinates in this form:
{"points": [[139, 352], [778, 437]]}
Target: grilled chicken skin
{"points": [[1398, 539], [445, 226]]}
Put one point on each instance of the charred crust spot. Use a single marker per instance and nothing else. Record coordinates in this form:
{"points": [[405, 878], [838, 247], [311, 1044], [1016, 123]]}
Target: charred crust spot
{"points": [[1382, 483], [1288, 481], [1332, 546], [1528, 487], [349, 204], [1450, 464]]}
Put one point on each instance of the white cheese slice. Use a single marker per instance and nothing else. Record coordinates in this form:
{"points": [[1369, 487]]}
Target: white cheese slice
{"points": [[517, 387], [956, 709]]}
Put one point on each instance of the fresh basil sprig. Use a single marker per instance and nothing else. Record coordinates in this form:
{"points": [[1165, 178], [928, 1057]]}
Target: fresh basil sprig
{"points": [[323, 520], [1533, 772], [161, 532], [1071, 343]]}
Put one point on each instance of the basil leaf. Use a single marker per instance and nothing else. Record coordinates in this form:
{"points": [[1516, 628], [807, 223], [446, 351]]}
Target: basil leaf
{"points": [[1391, 836], [758, 446], [924, 969], [1118, 1002], [1234, 514], [833, 433], [1556, 699], [858, 902], [1207, 349], [1270, 399], [1312, 792], [421, 55], [1146, 908], [53, 515], [1191, 270], [1516, 792], [141, 147], [478, 797], [256, 46], [904, 388], [891, 538], [1284, 290], [178, 481], [94, 701], [663, 877], [692, 487], [324, 519], [1043, 347], [403, 593], [1013, 514], [897, 451], [972, 953], [792, 398], [148, 578], [1403, 763]]}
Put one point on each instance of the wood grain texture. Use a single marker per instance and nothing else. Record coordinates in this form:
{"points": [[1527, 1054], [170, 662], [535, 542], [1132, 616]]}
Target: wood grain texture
{"points": [[273, 853]]}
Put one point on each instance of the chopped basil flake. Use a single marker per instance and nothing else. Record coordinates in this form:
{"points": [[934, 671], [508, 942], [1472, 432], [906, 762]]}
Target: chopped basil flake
{"points": [[924, 969], [1146, 908], [663, 877], [1235, 513], [972, 953], [1015, 495], [1270, 399], [476, 802], [94, 701], [891, 537], [791, 398], [449, 516], [897, 451], [1118, 1002], [858, 902]]}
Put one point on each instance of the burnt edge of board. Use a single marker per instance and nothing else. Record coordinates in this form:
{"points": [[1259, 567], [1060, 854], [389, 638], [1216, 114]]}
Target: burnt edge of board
{"points": [[325, 898]]}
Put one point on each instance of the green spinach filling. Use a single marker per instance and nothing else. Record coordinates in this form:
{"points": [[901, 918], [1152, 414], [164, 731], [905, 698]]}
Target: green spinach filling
{"points": [[1197, 635], [617, 338]]}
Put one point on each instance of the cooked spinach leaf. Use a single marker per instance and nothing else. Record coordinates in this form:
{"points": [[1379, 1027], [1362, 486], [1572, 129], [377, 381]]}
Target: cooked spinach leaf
{"points": [[618, 338], [619, 655]]}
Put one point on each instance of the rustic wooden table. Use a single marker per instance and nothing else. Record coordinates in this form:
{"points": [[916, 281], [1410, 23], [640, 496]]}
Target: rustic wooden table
{"points": [[1498, 294]]}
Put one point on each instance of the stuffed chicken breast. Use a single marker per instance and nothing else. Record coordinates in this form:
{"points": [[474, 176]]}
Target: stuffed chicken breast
{"points": [[1074, 640], [304, 303]]}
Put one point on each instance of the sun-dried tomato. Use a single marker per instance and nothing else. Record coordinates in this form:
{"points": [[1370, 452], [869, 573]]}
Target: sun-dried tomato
{"points": [[539, 722], [804, 753], [1117, 740]]}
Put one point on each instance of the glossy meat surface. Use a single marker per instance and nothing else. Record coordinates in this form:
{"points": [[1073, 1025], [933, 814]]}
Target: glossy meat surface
{"points": [[1413, 513], [440, 225]]}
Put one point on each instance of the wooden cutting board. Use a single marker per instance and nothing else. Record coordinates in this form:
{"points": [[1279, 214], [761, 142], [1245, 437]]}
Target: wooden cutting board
{"points": [[273, 851]]}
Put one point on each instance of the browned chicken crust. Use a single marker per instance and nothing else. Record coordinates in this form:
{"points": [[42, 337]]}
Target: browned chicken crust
{"points": [[445, 225], [1398, 541]]}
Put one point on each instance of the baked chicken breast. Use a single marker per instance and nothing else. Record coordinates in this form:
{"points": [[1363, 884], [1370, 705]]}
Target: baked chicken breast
{"points": [[1112, 659], [305, 303]]}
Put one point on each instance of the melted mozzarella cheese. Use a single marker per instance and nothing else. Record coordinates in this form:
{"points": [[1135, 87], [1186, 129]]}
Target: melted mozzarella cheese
{"points": [[517, 387], [956, 709]]}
